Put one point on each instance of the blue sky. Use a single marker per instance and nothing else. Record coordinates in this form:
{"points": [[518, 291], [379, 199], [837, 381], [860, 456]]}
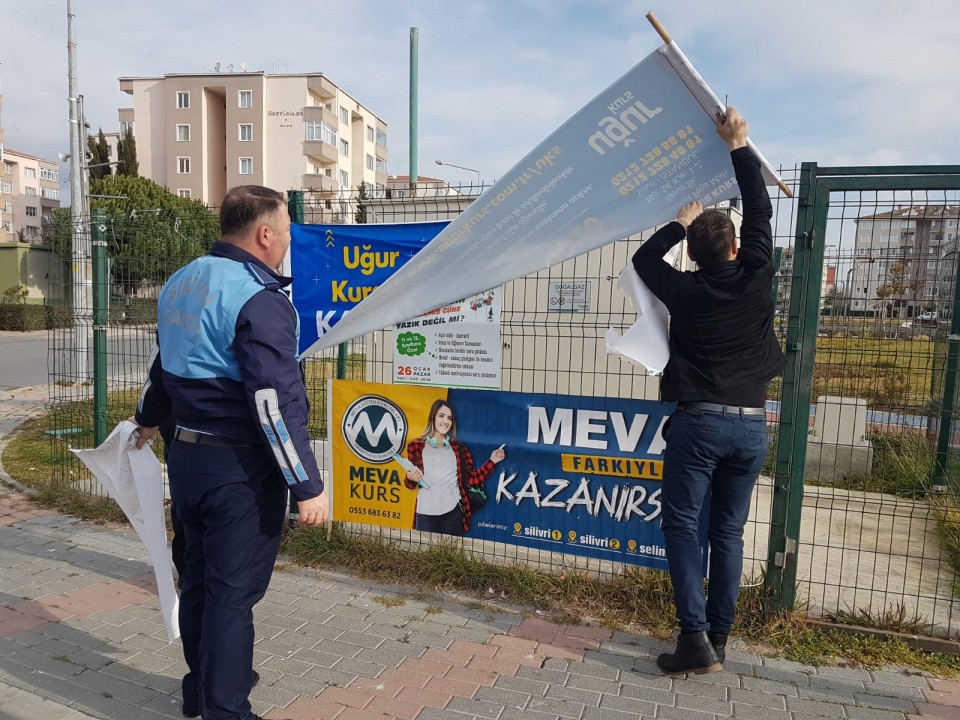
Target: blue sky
{"points": [[839, 82]]}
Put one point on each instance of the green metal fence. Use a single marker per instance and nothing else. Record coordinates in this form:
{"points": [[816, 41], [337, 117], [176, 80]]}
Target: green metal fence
{"points": [[853, 518], [864, 526]]}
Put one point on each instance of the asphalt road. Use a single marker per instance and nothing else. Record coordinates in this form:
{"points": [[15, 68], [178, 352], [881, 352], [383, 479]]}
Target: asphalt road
{"points": [[28, 359]]}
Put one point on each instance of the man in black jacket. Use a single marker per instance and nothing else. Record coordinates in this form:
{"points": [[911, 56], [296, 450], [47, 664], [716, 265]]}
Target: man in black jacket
{"points": [[723, 353]]}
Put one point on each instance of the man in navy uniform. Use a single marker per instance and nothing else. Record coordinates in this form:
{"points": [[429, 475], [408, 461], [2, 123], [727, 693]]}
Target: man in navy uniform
{"points": [[723, 353], [227, 373]]}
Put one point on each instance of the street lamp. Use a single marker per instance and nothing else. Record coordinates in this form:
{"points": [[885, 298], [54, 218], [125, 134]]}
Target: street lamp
{"points": [[461, 167]]}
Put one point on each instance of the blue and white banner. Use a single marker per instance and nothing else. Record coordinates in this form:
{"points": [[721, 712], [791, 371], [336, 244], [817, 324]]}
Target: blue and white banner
{"points": [[626, 162], [582, 475], [337, 266]]}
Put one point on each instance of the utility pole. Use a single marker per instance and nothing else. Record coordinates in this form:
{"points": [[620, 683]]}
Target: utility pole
{"points": [[79, 230]]}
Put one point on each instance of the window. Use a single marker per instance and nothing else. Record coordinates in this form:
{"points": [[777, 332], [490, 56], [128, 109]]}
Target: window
{"points": [[183, 133], [246, 132], [345, 148], [184, 193], [30, 173], [381, 138], [344, 179], [8, 225], [183, 100], [30, 191], [951, 223], [31, 211], [50, 193], [183, 166], [370, 163], [6, 187], [245, 98], [7, 168], [31, 231], [344, 116], [381, 166], [370, 134], [318, 130], [124, 126], [246, 166], [8, 208], [49, 174]]}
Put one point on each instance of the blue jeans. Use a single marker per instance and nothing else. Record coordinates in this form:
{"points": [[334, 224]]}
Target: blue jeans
{"points": [[710, 467], [450, 523]]}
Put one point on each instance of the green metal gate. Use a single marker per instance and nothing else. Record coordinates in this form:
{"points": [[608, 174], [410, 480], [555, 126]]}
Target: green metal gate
{"points": [[863, 526]]}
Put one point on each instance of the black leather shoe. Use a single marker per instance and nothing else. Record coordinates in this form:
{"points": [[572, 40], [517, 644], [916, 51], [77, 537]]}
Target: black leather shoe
{"points": [[694, 654], [256, 677], [719, 642]]}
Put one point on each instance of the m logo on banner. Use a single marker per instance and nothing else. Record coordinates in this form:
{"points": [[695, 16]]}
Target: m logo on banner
{"points": [[374, 428]]}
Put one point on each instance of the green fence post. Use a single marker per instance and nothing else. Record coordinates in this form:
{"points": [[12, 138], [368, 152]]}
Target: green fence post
{"points": [[804, 316], [949, 399], [295, 209], [100, 297]]}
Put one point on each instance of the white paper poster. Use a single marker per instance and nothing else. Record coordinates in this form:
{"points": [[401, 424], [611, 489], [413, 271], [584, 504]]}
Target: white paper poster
{"points": [[457, 345]]}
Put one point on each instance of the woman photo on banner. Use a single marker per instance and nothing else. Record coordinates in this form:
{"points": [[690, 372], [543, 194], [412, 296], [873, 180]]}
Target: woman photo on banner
{"points": [[440, 468]]}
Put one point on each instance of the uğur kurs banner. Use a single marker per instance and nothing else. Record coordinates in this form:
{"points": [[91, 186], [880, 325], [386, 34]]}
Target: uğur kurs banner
{"points": [[626, 162]]}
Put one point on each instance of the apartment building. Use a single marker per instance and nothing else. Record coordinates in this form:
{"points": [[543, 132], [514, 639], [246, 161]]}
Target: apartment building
{"points": [[910, 252], [29, 193], [200, 134], [784, 280]]}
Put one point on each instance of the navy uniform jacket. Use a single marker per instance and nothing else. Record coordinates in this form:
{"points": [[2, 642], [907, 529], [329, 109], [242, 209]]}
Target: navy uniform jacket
{"points": [[227, 362]]}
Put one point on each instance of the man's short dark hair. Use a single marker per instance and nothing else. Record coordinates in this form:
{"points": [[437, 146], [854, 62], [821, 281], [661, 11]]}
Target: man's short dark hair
{"points": [[244, 205], [709, 237]]}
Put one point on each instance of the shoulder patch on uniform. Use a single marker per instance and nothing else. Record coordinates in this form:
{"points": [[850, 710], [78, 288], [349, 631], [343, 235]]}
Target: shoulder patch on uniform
{"points": [[263, 277]]}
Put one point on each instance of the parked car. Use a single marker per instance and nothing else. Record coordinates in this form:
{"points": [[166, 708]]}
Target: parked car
{"points": [[926, 318]]}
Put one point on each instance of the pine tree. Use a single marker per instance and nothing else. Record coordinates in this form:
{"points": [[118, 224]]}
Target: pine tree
{"points": [[127, 155], [99, 156], [360, 216]]}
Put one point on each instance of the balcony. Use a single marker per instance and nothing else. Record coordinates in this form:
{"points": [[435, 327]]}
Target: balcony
{"points": [[318, 113], [320, 86], [324, 152], [318, 183]]}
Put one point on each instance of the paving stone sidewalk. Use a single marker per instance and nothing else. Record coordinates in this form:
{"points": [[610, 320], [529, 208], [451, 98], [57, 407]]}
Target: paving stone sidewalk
{"points": [[81, 636]]}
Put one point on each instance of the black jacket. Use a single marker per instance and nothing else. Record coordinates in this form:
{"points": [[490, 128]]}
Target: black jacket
{"points": [[722, 345]]}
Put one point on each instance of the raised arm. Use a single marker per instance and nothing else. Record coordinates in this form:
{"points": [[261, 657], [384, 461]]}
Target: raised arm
{"points": [[659, 276], [756, 233]]}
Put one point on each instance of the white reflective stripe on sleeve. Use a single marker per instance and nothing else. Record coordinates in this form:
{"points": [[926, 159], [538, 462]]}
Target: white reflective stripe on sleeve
{"points": [[146, 383], [268, 409]]}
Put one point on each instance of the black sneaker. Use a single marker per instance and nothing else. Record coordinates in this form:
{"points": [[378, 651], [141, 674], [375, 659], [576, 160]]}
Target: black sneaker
{"points": [[694, 654]]}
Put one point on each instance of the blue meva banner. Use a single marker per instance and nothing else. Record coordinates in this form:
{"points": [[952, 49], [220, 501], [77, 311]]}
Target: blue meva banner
{"points": [[337, 266], [582, 474]]}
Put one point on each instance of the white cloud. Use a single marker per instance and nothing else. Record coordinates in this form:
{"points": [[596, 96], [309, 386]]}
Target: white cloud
{"points": [[837, 82]]}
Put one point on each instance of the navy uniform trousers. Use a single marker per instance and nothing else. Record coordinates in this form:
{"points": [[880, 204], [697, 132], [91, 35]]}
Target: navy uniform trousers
{"points": [[232, 504]]}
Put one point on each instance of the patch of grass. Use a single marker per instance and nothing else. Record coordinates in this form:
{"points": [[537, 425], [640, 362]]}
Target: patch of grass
{"points": [[397, 601], [31, 458], [896, 619], [434, 610], [902, 465]]}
